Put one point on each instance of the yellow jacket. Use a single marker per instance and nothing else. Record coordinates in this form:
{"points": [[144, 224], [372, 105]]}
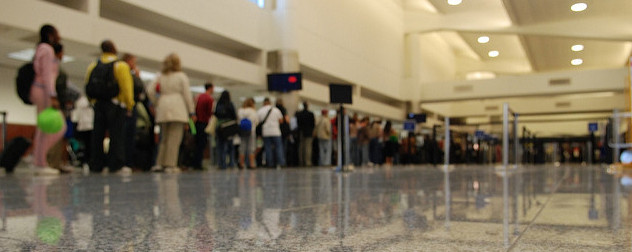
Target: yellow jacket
{"points": [[123, 77]]}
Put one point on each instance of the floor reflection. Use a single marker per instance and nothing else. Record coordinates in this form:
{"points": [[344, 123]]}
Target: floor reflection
{"points": [[401, 208]]}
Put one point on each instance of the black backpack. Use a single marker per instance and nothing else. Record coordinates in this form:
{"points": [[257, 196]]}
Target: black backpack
{"points": [[24, 80], [102, 85]]}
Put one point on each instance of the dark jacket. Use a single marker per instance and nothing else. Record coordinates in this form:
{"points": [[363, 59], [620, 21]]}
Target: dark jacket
{"points": [[306, 122]]}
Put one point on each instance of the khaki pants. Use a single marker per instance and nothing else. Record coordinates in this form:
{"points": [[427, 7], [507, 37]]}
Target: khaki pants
{"points": [[170, 140], [305, 151]]}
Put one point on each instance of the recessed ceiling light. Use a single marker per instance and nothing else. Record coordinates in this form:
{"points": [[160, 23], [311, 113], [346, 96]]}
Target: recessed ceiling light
{"points": [[577, 48], [493, 54], [577, 62], [579, 7], [454, 2], [483, 39]]}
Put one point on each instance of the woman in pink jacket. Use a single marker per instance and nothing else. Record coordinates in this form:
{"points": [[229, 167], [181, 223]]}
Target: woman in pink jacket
{"points": [[43, 95]]}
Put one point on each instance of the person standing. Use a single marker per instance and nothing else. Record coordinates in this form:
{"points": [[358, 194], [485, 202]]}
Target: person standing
{"points": [[43, 95], [109, 114], [83, 115], [363, 141], [391, 143], [353, 140], [284, 126], [306, 123], [247, 145], [225, 111], [130, 118], [271, 133], [203, 112], [174, 106], [375, 144], [323, 133]]}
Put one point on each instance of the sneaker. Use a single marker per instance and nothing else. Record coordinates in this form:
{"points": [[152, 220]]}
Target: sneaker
{"points": [[173, 170], [67, 169], [44, 171], [157, 168], [125, 171]]}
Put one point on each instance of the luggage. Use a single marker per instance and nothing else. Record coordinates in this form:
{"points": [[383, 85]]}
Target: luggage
{"points": [[13, 152]]}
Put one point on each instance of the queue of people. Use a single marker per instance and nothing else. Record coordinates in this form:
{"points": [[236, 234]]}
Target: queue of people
{"points": [[117, 104]]}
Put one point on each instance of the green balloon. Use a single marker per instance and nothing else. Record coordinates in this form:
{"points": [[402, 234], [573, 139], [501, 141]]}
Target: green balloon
{"points": [[50, 121]]}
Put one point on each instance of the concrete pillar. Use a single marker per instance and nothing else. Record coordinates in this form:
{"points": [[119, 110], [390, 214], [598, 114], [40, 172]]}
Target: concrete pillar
{"points": [[286, 60]]}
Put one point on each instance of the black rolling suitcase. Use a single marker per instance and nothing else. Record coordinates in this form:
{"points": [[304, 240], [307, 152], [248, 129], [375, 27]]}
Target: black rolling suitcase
{"points": [[13, 152]]}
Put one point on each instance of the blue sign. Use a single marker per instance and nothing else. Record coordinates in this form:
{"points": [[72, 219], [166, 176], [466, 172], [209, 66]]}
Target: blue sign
{"points": [[479, 133], [593, 127], [409, 125]]}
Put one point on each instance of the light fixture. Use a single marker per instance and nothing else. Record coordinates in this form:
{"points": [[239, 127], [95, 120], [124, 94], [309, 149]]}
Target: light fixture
{"points": [[577, 62], [577, 48], [454, 2], [579, 7], [483, 39], [201, 89], [493, 54], [480, 75], [27, 55], [147, 76]]}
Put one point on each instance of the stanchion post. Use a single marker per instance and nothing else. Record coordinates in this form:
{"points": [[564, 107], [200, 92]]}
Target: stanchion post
{"points": [[505, 175], [516, 173], [446, 163]]}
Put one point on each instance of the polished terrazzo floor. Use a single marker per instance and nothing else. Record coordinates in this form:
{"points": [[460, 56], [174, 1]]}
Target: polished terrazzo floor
{"points": [[548, 208]]}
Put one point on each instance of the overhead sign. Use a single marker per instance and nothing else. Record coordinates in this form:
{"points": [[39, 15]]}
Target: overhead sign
{"points": [[593, 127], [479, 133], [409, 125]]}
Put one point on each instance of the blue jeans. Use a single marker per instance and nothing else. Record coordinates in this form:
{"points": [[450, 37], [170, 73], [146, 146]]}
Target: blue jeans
{"points": [[224, 147], [274, 143], [324, 145]]}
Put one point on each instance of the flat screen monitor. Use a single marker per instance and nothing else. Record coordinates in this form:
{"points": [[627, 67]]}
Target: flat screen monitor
{"points": [[340, 93], [285, 82], [419, 118]]}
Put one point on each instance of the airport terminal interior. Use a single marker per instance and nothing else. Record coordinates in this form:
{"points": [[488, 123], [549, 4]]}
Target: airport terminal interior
{"points": [[510, 127]]}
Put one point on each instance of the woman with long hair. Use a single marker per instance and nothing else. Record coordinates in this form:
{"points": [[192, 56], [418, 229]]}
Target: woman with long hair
{"points": [[43, 95], [225, 111], [174, 106]]}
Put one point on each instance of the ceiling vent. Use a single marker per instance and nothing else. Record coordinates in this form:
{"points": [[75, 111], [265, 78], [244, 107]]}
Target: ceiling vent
{"points": [[463, 88], [558, 82], [562, 104]]}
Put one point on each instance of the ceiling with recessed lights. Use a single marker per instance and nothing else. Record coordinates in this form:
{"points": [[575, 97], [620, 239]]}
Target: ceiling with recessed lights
{"points": [[538, 32], [527, 37]]}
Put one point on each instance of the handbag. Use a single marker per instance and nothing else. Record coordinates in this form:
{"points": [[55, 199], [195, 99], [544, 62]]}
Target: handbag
{"points": [[259, 128], [228, 128], [212, 122], [212, 125]]}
